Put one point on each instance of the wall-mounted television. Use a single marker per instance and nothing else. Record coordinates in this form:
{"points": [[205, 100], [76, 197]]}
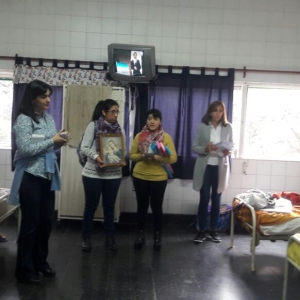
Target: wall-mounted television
{"points": [[132, 63]]}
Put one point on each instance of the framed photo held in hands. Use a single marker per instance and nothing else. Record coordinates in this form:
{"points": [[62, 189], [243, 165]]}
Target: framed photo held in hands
{"points": [[112, 150]]}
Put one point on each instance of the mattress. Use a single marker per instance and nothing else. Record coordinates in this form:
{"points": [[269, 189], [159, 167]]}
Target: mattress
{"points": [[288, 228], [268, 223]]}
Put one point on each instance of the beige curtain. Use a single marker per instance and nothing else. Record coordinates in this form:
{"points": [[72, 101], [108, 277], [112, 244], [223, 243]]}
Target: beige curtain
{"points": [[79, 105]]}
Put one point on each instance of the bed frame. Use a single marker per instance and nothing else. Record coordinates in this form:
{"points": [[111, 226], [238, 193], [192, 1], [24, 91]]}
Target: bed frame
{"points": [[256, 236], [9, 209]]}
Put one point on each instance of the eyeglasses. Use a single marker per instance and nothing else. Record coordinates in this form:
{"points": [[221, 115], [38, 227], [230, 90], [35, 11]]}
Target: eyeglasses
{"points": [[114, 112]]}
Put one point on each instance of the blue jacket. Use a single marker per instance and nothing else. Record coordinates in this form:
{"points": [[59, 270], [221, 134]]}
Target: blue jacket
{"points": [[21, 163]]}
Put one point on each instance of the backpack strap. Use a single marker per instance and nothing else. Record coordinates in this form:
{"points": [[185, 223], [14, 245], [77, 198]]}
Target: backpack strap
{"points": [[95, 131]]}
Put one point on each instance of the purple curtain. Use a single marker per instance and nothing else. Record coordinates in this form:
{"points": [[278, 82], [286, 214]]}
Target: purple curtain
{"points": [[183, 100], [55, 110], [141, 104]]}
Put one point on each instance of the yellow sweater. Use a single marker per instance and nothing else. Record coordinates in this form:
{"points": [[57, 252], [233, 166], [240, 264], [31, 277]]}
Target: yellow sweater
{"points": [[149, 169]]}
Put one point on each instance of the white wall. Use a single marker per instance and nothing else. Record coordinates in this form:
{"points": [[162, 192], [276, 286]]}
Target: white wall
{"points": [[258, 34], [262, 34], [180, 198], [269, 176]]}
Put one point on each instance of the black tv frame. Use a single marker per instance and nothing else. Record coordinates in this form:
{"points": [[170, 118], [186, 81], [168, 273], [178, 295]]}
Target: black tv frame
{"points": [[149, 68]]}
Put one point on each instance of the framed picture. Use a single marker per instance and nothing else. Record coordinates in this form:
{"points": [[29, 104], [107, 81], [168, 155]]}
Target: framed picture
{"points": [[112, 150]]}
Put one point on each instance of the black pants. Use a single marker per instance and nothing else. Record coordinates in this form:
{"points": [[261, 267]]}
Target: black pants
{"points": [[149, 192], [37, 207]]}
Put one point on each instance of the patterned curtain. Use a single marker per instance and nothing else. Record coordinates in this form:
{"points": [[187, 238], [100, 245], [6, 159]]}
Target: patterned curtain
{"points": [[58, 77]]}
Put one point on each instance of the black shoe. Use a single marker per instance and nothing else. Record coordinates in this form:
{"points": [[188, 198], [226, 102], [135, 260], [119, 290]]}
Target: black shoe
{"points": [[215, 237], [110, 243], [37, 279], [47, 272], [200, 237], [140, 240], [157, 241], [86, 244]]}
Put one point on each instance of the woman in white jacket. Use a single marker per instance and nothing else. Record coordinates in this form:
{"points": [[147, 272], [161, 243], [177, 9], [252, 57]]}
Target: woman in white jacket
{"points": [[212, 171]]}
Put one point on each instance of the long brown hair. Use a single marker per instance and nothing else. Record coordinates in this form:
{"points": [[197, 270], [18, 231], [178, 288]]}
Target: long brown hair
{"points": [[212, 107]]}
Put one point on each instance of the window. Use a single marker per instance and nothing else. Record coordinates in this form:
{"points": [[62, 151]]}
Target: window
{"points": [[6, 100], [236, 117], [266, 122]]}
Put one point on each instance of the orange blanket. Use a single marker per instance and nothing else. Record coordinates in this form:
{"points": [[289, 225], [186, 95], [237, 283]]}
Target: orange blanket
{"points": [[243, 213]]}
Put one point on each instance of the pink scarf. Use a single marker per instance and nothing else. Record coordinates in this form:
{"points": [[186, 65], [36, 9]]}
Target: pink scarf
{"points": [[147, 137]]}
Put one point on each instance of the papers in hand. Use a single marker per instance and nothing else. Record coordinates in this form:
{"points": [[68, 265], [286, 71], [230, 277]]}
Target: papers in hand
{"points": [[36, 138], [223, 145]]}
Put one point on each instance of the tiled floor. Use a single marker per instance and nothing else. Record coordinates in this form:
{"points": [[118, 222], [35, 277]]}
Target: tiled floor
{"points": [[181, 270]]}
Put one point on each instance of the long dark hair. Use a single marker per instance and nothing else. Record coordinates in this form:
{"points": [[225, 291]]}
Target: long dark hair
{"points": [[212, 107], [103, 105], [33, 89], [97, 111]]}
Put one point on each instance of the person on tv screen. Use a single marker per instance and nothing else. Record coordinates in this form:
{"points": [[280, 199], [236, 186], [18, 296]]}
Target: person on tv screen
{"points": [[135, 65]]}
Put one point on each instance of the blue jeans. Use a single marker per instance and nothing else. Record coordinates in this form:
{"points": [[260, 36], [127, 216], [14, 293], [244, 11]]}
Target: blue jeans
{"points": [[37, 207], [209, 192], [93, 188]]}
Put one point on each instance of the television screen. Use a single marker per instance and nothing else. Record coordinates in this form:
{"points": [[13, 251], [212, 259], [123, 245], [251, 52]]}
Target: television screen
{"points": [[129, 62], [132, 63]]}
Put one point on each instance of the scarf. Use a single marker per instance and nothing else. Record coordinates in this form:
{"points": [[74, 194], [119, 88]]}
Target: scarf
{"points": [[105, 127], [147, 137]]}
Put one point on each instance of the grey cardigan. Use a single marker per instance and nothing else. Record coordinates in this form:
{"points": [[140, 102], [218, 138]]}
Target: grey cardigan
{"points": [[199, 144]]}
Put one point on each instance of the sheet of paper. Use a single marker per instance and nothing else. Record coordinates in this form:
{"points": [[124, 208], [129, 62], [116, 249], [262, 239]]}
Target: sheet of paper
{"points": [[223, 145]]}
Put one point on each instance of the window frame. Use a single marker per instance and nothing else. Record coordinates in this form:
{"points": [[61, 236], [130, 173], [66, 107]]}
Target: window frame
{"points": [[6, 75], [244, 86]]}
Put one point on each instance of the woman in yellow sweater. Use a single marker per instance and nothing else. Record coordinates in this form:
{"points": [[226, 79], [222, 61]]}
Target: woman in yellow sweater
{"points": [[149, 176]]}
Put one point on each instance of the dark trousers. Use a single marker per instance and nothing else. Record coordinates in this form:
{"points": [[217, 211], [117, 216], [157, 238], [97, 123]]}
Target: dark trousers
{"points": [[209, 192], [37, 207], [149, 192], [93, 188]]}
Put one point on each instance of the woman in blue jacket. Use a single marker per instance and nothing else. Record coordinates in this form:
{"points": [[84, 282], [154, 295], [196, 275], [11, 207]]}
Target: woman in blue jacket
{"points": [[35, 180]]}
